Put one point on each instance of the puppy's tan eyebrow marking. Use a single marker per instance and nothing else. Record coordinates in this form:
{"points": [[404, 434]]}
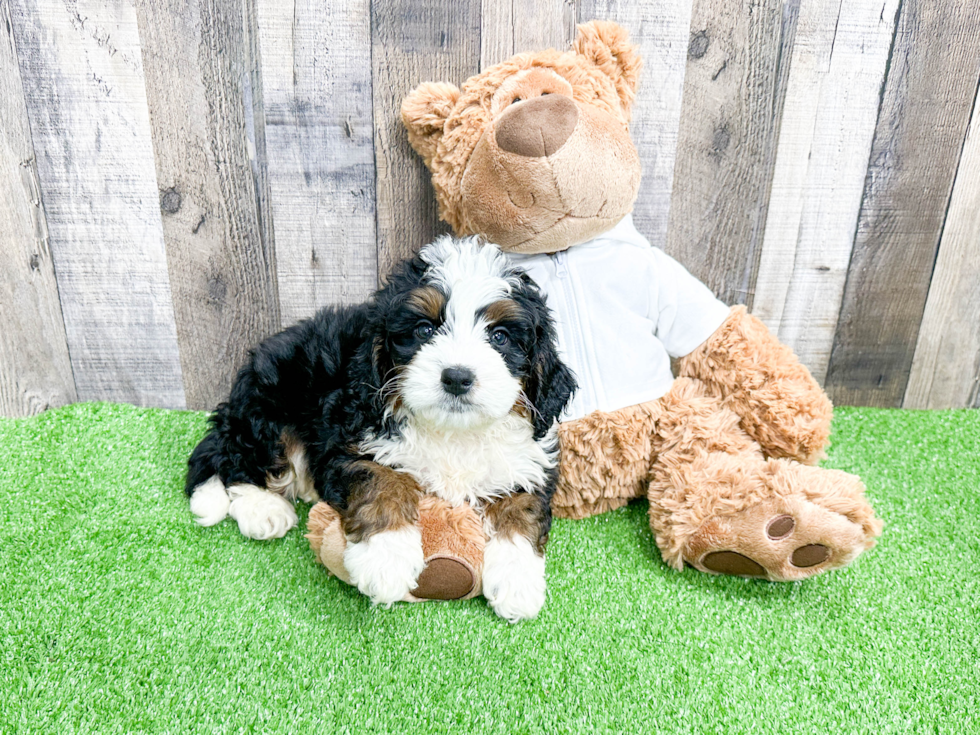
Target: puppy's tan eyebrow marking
{"points": [[501, 311], [428, 301]]}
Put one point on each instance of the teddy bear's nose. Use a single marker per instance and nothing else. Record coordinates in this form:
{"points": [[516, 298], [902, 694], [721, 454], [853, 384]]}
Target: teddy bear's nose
{"points": [[537, 127]]}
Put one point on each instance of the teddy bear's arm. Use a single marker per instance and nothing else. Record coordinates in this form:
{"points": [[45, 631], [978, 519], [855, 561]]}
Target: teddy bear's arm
{"points": [[780, 405]]}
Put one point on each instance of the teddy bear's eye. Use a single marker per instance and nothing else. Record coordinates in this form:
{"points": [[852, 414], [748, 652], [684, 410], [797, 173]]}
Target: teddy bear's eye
{"points": [[516, 100], [544, 93]]}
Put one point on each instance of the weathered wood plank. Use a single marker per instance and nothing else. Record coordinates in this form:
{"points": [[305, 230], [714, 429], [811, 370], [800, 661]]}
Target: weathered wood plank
{"points": [[790, 21], [221, 272], [662, 31], [509, 27], [83, 82], [316, 79], [413, 41], [946, 367], [35, 370], [727, 140], [926, 107], [831, 106]]}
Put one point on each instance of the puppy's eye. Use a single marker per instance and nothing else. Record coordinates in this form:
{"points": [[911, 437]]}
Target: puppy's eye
{"points": [[424, 330], [499, 337]]}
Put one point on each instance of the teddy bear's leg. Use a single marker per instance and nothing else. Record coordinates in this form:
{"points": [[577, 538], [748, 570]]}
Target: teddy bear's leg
{"points": [[719, 505], [779, 403], [605, 460]]}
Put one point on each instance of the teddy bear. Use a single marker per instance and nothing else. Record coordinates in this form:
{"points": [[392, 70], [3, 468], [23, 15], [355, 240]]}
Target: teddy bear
{"points": [[535, 154]]}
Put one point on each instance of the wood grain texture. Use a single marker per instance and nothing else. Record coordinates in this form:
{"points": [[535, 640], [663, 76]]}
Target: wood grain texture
{"points": [[413, 41], [946, 366], [83, 82], [790, 21], [726, 142], [509, 27], [662, 31], [316, 80], [832, 100], [222, 274], [35, 370], [925, 110]]}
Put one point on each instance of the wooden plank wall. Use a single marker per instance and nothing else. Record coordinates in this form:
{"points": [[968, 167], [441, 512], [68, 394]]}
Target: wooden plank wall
{"points": [[221, 262], [183, 177], [82, 75], [35, 370]]}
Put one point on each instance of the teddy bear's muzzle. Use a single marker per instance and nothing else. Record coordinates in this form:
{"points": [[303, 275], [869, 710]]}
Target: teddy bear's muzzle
{"points": [[538, 127]]}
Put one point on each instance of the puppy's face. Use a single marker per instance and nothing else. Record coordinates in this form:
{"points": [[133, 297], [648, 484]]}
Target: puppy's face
{"points": [[462, 336]]}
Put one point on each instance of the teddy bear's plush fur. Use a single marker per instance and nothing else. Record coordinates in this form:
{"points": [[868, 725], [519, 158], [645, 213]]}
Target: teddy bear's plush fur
{"points": [[534, 154]]}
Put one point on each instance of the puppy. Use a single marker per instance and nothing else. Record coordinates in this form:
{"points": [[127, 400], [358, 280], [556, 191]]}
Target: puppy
{"points": [[447, 381]]}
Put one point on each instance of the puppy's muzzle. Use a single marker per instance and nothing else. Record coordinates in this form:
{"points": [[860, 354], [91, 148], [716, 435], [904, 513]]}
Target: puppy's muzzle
{"points": [[457, 380]]}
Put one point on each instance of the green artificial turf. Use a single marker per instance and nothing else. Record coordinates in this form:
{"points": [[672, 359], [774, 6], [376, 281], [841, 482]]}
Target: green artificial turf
{"points": [[119, 614]]}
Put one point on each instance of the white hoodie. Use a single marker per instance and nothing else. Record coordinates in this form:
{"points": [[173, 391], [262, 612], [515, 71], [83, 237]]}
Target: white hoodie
{"points": [[622, 308]]}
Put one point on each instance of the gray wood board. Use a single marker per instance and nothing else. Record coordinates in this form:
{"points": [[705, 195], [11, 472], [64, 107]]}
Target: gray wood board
{"points": [[727, 141], [662, 31], [946, 367], [509, 27], [925, 110], [413, 41], [35, 369], [316, 81], [83, 82], [221, 272], [832, 98]]}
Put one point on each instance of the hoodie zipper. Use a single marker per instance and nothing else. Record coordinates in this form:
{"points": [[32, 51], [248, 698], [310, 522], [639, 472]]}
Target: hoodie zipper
{"points": [[576, 348]]}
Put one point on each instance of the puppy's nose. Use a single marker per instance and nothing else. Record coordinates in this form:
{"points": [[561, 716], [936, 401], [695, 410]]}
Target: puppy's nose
{"points": [[538, 127], [457, 380]]}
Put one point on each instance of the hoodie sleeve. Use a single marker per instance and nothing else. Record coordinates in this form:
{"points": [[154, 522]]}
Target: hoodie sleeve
{"points": [[687, 312]]}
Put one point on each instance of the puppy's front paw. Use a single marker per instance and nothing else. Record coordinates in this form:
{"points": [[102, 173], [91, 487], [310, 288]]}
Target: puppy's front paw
{"points": [[513, 578], [386, 566], [209, 502], [260, 514]]}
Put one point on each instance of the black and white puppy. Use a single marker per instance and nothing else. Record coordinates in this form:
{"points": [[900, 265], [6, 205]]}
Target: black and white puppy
{"points": [[448, 381]]}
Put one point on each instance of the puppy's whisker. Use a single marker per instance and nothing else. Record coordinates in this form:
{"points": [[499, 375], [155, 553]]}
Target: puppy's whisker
{"points": [[385, 384], [526, 403], [389, 386]]}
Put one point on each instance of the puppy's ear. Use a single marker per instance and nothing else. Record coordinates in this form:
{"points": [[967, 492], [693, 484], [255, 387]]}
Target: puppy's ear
{"points": [[425, 112], [551, 382], [608, 47]]}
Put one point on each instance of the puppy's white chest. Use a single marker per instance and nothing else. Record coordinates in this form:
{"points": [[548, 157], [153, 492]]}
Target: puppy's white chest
{"points": [[469, 466]]}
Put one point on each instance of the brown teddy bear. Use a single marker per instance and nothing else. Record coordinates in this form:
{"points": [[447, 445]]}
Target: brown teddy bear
{"points": [[535, 155]]}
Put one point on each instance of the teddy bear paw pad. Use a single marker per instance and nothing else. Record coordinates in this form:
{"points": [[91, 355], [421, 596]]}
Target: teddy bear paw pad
{"points": [[731, 562]]}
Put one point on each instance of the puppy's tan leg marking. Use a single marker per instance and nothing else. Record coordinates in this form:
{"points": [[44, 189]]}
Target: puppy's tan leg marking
{"points": [[521, 514], [384, 551], [513, 560], [290, 476], [383, 499]]}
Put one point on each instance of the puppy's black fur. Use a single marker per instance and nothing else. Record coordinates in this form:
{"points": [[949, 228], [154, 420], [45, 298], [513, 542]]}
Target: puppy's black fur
{"points": [[321, 380]]}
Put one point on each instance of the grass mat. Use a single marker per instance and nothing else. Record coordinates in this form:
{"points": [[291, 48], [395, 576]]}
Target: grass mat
{"points": [[119, 614]]}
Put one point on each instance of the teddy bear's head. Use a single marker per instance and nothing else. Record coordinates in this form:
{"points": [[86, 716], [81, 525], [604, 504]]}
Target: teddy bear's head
{"points": [[534, 153]]}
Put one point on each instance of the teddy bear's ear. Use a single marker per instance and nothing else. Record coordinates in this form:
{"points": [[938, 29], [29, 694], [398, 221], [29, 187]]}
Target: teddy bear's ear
{"points": [[425, 112], [607, 45]]}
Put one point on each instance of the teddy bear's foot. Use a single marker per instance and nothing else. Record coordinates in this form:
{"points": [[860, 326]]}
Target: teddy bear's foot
{"points": [[801, 521], [778, 539]]}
